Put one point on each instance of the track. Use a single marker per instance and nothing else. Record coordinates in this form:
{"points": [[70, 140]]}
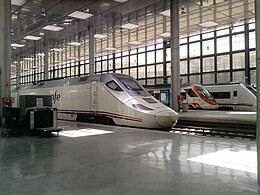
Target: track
{"points": [[218, 132]]}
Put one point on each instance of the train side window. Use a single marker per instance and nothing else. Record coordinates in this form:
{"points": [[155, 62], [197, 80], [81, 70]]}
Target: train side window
{"points": [[234, 93], [113, 85]]}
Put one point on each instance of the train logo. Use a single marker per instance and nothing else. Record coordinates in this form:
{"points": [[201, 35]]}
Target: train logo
{"points": [[55, 97]]}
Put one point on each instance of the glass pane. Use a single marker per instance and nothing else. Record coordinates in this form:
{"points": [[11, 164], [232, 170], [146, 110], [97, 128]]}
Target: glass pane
{"points": [[239, 76], [168, 54], [159, 56], [150, 57], [125, 61], [223, 77], [118, 62], [141, 72], [183, 51], [223, 45], [238, 60], [133, 60], [208, 47], [195, 49], [183, 67], [208, 78], [141, 59], [238, 42], [252, 39], [253, 77], [223, 62], [195, 79], [150, 71], [252, 59], [208, 64], [195, 66]]}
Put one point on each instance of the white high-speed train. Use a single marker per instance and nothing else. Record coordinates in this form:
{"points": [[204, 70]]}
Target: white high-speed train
{"points": [[106, 99], [234, 96]]}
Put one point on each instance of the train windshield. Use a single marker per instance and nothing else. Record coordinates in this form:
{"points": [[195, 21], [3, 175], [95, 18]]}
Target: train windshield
{"points": [[203, 92], [129, 83], [253, 90]]}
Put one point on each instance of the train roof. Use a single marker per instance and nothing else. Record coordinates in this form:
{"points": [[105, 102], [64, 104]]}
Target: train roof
{"points": [[229, 83], [66, 82]]}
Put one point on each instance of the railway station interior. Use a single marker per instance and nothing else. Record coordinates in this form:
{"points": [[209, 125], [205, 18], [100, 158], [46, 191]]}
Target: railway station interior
{"points": [[163, 45]]}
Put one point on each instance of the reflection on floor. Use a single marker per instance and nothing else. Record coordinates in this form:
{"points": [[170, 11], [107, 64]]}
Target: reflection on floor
{"points": [[96, 159]]}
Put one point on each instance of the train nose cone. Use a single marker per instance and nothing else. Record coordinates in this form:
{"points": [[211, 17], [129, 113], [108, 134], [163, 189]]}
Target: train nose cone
{"points": [[166, 118]]}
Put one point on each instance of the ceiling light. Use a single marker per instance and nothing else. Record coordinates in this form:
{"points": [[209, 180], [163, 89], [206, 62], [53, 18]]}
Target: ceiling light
{"points": [[74, 43], [135, 42], [56, 49], [110, 49], [165, 13], [100, 36], [166, 34], [80, 15], [34, 38], [130, 26], [121, 1], [40, 54], [18, 2], [208, 24], [28, 58], [52, 28], [17, 45]]}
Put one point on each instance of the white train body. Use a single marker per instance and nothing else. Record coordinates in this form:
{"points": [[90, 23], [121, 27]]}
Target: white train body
{"points": [[105, 98], [198, 97], [235, 96]]}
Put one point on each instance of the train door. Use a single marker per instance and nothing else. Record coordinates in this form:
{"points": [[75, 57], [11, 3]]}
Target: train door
{"points": [[235, 98], [93, 97]]}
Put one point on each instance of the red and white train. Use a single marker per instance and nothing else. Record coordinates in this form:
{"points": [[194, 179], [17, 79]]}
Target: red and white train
{"points": [[105, 98]]}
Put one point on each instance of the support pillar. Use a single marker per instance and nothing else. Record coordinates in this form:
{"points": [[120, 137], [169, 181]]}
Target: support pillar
{"points": [[5, 50], [175, 54], [257, 22], [91, 47]]}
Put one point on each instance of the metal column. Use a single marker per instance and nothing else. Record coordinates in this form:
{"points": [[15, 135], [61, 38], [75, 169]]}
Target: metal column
{"points": [[257, 22], [91, 47], [175, 54], [5, 49], [46, 57]]}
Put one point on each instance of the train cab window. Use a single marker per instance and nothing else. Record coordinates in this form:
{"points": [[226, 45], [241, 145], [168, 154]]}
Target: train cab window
{"points": [[183, 96], [113, 85], [234, 93], [190, 93]]}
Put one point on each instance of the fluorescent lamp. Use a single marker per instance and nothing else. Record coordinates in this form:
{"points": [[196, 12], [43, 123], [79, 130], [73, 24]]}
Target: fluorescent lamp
{"points": [[18, 2], [80, 15], [34, 38], [40, 54], [135, 42], [17, 45], [56, 49], [208, 24], [28, 58], [52, 28], [100, 36], [74, 43], [130, 26], [165, 13], [121, 1], [166, 34], [110, 49]]}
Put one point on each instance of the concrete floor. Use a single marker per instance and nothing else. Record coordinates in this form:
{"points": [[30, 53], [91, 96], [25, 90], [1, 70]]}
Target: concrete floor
{"points": [[122, 161]]}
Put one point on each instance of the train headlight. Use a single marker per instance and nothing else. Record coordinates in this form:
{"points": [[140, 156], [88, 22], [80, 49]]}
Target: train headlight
{"points": [[140, 107]]}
